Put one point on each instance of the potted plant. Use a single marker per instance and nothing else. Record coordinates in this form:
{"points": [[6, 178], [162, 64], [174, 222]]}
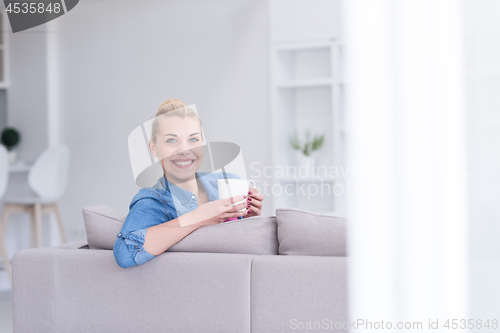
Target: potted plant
{"points": [[10, 139], [305, 148]]}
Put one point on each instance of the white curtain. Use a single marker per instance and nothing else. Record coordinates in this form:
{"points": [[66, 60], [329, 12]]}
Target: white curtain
{"points": [[406, 121]]}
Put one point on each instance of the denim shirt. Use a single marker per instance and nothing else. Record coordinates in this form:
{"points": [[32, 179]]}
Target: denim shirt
{"points": [[152, 206]]}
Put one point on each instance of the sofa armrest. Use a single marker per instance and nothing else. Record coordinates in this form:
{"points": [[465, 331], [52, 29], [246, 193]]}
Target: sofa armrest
{"points": [[84, 290], [33, 289]]}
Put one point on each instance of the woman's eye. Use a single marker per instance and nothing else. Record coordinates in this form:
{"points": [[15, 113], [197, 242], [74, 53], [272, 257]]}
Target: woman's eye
{"points": [[194, 139], [170, 140]]}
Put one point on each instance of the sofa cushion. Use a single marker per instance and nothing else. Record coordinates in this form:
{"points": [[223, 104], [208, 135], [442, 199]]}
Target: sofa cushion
{"points": [[305, 233], [102, 224], [254, 235]]}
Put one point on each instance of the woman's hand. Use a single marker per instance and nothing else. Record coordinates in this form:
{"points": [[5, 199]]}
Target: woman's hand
{"points": [[214, 212], [254, 203]]}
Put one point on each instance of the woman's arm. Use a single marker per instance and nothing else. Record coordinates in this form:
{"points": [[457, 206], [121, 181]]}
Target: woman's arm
{"points": [[146, 210], [145, 234], [160, 238]]}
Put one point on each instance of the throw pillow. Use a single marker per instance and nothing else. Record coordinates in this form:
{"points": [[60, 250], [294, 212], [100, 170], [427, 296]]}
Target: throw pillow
{"points": [[308, 234]]}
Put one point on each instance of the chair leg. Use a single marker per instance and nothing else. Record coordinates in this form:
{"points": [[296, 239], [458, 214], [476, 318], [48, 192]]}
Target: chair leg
{"points": [[59, 222], [32, 227], [3, 250], [38, 224], [6, 212]]}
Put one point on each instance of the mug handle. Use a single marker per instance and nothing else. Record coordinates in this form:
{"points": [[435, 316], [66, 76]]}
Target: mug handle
{"points": [[250, 182]]}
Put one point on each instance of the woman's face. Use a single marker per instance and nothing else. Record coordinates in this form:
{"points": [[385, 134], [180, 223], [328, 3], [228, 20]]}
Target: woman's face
{"points": [[179, 146]]}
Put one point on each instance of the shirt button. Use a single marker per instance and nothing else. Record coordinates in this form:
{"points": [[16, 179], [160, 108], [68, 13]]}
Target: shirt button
{"points": [[194, 197]]}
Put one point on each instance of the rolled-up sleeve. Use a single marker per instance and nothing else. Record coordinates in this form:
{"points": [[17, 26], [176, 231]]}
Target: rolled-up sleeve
{"points": [[146, 210], [129, 249]]}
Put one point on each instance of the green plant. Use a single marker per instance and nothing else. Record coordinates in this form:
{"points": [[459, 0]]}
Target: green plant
{"points": [[309, 144], [10, 137]]}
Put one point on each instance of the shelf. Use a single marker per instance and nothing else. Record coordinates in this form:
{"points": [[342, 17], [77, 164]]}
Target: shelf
{"points": [[308, 92], [303, 46], [304, 180], [306, 83], [19, 167]]}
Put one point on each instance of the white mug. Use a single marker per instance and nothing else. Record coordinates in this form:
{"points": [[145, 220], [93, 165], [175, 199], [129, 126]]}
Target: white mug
{"points": [[234, 187]]}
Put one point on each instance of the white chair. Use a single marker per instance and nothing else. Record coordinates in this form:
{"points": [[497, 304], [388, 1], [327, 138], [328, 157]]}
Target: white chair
{"points": [[4, 178], [47, 178]]}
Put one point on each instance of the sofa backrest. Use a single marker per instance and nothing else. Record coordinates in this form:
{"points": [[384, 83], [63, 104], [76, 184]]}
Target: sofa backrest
{"points": [[254, 235], [291, 232], [308, 234]]}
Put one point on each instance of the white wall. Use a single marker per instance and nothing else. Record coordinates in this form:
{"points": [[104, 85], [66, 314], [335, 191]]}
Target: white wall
{"points": [[482, 49], [304, 20], [118, 61], [27, 91]]}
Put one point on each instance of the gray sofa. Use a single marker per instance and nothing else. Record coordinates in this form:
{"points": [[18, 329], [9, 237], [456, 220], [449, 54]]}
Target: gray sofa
{"points": [[283, 273]]}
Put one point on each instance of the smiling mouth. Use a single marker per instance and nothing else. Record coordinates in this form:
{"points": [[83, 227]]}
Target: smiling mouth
{"points": [[183, 163]]}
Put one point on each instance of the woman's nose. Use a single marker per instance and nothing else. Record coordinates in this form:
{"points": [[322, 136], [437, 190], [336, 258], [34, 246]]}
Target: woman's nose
{"points": [[183, 151]]}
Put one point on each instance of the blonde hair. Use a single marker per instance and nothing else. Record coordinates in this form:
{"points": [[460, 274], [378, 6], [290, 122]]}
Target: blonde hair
{"points": [[172, 108]]}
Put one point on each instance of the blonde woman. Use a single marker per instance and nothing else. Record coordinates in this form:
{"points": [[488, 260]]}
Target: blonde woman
{"points": [[153, 225]]}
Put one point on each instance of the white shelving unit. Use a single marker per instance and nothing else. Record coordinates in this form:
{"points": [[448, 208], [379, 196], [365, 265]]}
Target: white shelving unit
{"points": [[4, 51], [307, 93], [4, 68]]}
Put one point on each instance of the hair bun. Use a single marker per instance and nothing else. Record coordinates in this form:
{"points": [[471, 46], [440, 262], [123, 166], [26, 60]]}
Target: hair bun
{"points": [[170, 105]]}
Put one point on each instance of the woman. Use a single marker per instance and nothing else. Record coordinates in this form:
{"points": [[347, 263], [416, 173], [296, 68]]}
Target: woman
{"points": [[153, 223]]}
